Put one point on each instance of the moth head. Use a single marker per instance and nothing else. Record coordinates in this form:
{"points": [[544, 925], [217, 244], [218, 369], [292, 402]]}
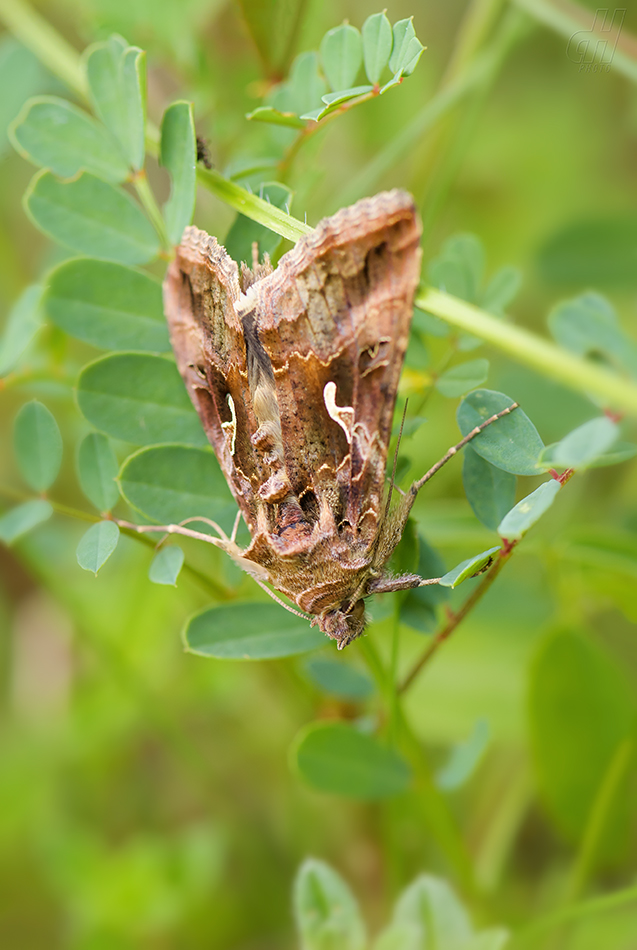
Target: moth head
{"points": [[344, 625]]}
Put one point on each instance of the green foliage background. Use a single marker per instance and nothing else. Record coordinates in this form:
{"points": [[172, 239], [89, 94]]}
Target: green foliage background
{"points": [[148, 797]]}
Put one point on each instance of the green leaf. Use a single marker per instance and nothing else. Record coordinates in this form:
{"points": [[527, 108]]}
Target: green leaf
{"points": [[339, 679], [588, 326], [244, 232], [138, 398], [338, 759], [334, 98], [581, 707], [21, 76], [166, 565], [463, 377], [501, 290], [170, 483], [306, 85], [517, 522], [117, 86], [584, 445], [418, 609], [97, 545], [511, 443], [97, 470], [107, 305], [407, 48], [496, 938], [17, 521], [459, 268], [91, 217], [341, 55], [621, 452], [490, 491], [22, 324], [178, 155], [275, 117], [55, 134], [377, 45], [469, 568], [429, 911], [326, 912], [250, 631], [464, 758], [38, 445]]}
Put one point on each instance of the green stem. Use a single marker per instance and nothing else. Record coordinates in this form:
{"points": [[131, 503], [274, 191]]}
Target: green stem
{"points": [[525, 347], [147, 198], [251, 206], [45, 42], [589, 908], [570, 18], [598, 818], [437, 816]]}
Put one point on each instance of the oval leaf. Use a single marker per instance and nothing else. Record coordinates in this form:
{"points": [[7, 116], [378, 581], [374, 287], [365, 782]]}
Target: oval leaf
{"points": [[169, 483], [166, 565], [490, 491], [430, 908], [517, 522], [469, 568], [253, 631], [57, 135], [107, 305], [339, 679], [274, 117], [38, 445], [116, 76], [341, 55], [460, 379], [17, 521], [97, 545], [138, 398], [511, 443], [22, 324], [377, 45], [178, 155], [584, 445], [326, 912], [91, 217], [407, 48], [464, 758], [97, 470], [336, 758], [334, 98]]}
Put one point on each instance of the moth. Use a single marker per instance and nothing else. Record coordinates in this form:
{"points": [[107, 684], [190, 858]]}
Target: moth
{"points": [[294, 374]]}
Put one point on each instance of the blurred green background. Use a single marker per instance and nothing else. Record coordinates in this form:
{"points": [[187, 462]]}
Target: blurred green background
{"points": [[145, 795]]}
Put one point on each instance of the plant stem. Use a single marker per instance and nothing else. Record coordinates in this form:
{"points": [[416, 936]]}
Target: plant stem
{"points": [[147, 198], [45, 42], [598, 818], [456, 619], [525, 347]]}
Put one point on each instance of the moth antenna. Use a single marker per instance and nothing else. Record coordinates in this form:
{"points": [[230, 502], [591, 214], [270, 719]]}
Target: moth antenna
{"points": [[393, 471], [282, 603]]}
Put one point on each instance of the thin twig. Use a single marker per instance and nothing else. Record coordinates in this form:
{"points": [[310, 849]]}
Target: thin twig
{"points": [[456, 619]]}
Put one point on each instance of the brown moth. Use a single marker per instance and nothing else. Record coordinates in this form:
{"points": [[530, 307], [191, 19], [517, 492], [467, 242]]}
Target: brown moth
{"points": [[294, 374]]}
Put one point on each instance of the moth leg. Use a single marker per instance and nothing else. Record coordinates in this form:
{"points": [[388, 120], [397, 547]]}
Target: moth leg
{"points": [[222, 541], [394, 522]]}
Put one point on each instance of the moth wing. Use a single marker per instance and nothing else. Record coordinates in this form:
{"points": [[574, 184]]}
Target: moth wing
{"points": [[334, 320], [201, 291]]}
